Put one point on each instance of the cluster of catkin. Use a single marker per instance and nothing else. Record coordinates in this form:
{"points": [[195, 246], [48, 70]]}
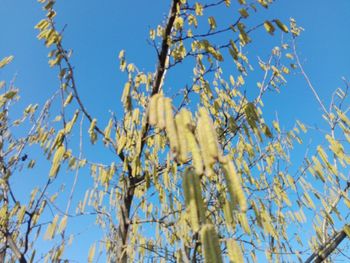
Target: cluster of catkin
{"points": [[200, 142], [196, 212], [184, 138]]}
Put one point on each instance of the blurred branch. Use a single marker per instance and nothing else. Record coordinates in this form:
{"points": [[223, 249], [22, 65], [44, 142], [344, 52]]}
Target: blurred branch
{"points": [[325, 250], [308, 81]]}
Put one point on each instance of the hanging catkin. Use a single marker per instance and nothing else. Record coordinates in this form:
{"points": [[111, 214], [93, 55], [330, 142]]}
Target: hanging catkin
{"points": [[170, 126], [193, 198], [210, 244], [233, 182]]}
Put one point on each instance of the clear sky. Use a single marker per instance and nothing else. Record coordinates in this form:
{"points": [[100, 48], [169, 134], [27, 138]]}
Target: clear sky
{"points": [[98, 30]]}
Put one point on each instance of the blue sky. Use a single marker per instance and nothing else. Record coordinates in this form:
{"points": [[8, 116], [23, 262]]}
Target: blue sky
{"points": [[98, 30]]}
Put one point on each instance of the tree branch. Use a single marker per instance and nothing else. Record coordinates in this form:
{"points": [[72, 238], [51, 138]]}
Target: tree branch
{"points": [[325, 250], [165, 48]]}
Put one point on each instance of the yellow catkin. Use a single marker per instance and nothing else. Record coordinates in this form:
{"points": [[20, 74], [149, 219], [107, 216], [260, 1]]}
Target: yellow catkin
{"points": [[193, 198], [92, 133], [56, 162], [234, 251], [185, 125], [207, 140], [181, 131], [62, 225], [208, 162], [160, 113], [152, 110], [251, 114], [234, 185], [20, 214], [69, 125], [203, 142], [91, 253], [68, 100], [227, 209], [281, 26], [210, 244], [243, 221], [208, 132], [108, 129], [195, 151], [187, 118], [198, 197], [170, 126], [126, 94]]}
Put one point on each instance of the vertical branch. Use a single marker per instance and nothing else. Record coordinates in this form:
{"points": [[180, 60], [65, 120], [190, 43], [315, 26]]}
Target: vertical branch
{"points": [[163, 55], [70, 198], [308, 81], [332, 125], [130, 182]]}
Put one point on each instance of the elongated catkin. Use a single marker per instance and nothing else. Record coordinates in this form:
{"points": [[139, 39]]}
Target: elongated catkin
{"points": [[161, 113], [210, 244], [234, 185], [193, 198], [170, 126], [181, 131], [152, 110]]}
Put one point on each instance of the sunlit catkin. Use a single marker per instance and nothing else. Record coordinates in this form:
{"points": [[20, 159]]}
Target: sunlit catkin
{"points": [[210, 244], [152, 110], [181, 131], [234, 185], [193, 199], [56, 162], [206, 127], [207, 140], [161, 113], [228, 216], [234, 251], [170, 125], [195, 151], [186, 118]]}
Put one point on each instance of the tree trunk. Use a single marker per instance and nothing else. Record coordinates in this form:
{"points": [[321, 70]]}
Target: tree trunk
{"points": [[124, 223]]}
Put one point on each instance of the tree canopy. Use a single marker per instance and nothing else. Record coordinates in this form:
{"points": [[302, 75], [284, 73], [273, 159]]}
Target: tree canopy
{"points": [[189, 167]]}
